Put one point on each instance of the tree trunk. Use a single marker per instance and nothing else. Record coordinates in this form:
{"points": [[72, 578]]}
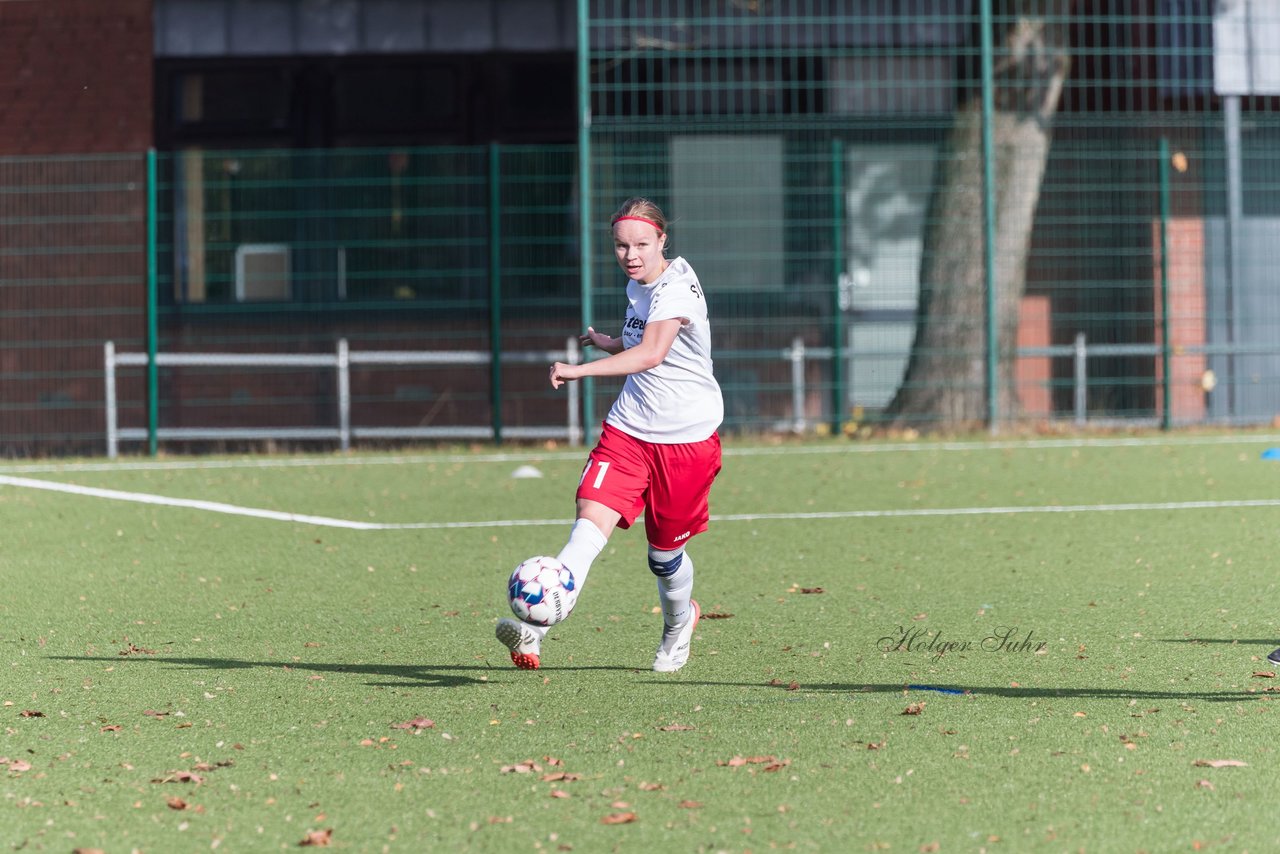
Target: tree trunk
{"points": [[945, 385]]}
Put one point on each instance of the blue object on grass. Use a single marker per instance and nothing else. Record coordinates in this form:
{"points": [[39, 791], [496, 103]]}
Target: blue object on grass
{"points": [[1271, 454], [935, 688]]}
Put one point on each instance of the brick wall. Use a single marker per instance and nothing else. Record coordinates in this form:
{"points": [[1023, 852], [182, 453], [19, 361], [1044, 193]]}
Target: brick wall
{"points": [[75, 121], [75, 76]]}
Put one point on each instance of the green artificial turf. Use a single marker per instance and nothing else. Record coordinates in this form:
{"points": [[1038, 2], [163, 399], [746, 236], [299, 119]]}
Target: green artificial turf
{"points": [[882, 666]]}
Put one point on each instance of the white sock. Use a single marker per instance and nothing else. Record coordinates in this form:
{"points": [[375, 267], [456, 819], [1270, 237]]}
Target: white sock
{"points": [[585, 544], [675, 591]]}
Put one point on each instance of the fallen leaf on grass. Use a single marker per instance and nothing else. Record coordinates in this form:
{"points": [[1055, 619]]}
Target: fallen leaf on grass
{"points": [[557, 776], [317, 838], [714, 615], [136, 650], [913, 709], [521, 767], [691, 805], [87, 851], [1220, 763], [559, 793], [739, 761], [31, 713], [675, 728], [1264, 674], [15, 765], [111, 728], [1204, 784], [180, 777], [619, 818], [418, 724], [151, 713], [651, 787], [176, 803]]}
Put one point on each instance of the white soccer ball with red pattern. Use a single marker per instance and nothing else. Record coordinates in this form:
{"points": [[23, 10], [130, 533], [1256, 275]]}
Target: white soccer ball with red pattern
{"points": [[542, 591]]}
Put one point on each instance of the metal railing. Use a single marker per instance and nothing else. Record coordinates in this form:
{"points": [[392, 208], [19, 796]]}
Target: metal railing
{"points": [[341, 361]]}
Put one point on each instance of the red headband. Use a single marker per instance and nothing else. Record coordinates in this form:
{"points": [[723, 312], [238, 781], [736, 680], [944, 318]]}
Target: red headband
{"points": [[639, 219]]}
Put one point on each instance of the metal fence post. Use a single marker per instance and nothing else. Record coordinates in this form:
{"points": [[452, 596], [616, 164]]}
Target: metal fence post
{"points": [[109, 370], [1166, 361], [796, 355], [495, 291], [838, 399], [573, 355], [1082, 379], [153, 308], [989, 213], [344, 394]]}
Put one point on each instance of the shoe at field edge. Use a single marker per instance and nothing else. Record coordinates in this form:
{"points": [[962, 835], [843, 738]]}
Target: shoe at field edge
{"points": [[524, 643], [671, 662], [1274, 657]]}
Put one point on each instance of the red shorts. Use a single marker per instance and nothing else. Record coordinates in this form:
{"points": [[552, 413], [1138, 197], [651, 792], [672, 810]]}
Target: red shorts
{"points": [[670, 483]]}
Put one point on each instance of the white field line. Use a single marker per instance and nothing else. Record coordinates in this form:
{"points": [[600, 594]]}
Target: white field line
{"points": [[330, 522], [535, 456]]}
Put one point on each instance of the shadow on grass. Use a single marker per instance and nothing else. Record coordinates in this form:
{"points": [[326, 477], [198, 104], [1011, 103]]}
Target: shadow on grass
{"points": [[1019, 693], [410, 675]]}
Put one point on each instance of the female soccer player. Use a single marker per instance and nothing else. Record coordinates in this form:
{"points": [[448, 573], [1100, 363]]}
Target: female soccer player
{"points": [[659, 451]]}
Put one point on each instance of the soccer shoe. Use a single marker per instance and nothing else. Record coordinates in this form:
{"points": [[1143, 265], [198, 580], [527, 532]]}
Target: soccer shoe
{"points": [[1274, 657], [523, 642], [670, 662]]}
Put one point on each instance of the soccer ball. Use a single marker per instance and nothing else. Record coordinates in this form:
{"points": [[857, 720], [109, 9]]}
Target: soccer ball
{"points": [[542, 591]]}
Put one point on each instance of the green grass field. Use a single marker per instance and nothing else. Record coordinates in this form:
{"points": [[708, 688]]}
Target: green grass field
{"points": [[1003, 647]]}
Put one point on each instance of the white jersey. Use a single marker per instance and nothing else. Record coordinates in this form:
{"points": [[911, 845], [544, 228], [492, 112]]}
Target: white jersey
{"points": [[679, 400]]}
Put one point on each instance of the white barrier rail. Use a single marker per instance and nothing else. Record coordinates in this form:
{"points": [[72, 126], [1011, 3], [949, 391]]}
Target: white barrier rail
{"points": [[797, 355], [341, 362]]}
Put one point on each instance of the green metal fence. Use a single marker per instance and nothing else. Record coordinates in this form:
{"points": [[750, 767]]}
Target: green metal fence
{"points": [[931, 214]]}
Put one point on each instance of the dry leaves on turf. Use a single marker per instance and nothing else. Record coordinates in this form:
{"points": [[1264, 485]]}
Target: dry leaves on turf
{"points": [[418, 724], [770, 763], [180, 777], [524, 767], [31, 713], [317, 838], [1220, 763], [131, 649], [714, 615], [913, 709], [619, 818], [798, 589]]}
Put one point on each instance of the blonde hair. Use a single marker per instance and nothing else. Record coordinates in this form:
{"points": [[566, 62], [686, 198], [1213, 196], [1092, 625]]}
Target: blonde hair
{"points": [[643, 210]]}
